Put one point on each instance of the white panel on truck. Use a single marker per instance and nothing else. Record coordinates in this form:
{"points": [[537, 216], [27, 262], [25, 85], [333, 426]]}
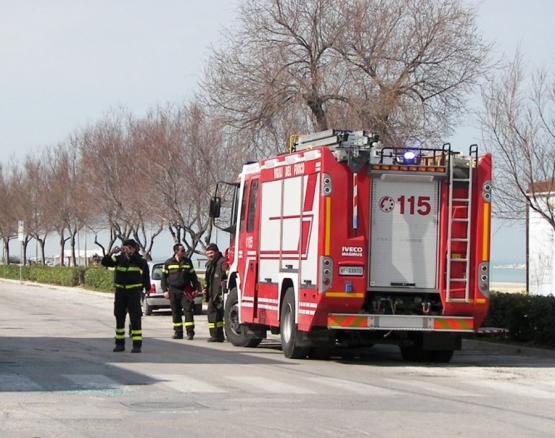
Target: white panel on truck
{"points": [[270, 215], [309, 232], [403, 234], [293, 192], [270, 228]]}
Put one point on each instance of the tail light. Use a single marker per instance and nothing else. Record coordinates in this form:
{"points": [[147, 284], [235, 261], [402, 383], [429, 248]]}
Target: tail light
{"points": [[152, 289], [326, 273]]}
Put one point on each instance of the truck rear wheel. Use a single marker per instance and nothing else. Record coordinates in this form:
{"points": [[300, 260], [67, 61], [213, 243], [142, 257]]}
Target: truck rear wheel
{"points": [[236, 332], [289, 332], [414, 353], [417, 354], [440, 356]]}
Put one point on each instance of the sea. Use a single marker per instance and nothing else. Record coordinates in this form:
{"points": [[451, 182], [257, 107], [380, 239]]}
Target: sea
{"points": [[508, 273]]}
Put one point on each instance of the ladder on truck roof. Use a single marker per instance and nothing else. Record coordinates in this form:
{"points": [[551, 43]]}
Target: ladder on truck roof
{"points": [[352, 147], [334, 139], [460, 213]]}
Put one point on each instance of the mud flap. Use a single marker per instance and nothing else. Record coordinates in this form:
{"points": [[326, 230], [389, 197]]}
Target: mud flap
{"points": [[317, 338], [254, 331]]}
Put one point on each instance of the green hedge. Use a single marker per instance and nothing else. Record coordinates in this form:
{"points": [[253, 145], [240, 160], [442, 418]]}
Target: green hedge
{"points": [[94, 277], [530, 319], [99, 278]]}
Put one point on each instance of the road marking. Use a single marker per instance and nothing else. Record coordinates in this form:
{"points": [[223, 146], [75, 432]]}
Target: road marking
{"points": [[356, 387], [270, 385], [434, 388], [183, 383], [16, 383]]}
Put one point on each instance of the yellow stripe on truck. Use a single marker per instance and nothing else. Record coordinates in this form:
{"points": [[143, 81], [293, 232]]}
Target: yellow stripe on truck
{"points": [[327, 237], [485, 233], [344, 295]]}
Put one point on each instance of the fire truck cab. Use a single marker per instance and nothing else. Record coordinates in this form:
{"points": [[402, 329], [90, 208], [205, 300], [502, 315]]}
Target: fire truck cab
{"points": [[345, 242]]}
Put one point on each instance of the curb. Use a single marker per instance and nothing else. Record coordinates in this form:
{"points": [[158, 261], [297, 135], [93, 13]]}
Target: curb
{"points": [[499, 348], [57, 287]]}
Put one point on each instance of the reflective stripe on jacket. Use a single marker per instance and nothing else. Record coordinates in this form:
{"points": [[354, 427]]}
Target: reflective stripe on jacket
{"points": [[177, 275], [129, 273]]}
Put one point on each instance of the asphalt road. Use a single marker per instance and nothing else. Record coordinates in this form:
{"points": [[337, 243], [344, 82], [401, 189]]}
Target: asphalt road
{"points": [[59, 378]]}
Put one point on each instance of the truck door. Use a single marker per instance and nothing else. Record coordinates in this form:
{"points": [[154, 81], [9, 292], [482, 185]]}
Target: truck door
{"points": [[249, 226], [404, 233]]}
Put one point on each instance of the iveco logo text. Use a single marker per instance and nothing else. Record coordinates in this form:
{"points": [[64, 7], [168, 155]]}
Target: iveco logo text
{"points": [[351, 251]]}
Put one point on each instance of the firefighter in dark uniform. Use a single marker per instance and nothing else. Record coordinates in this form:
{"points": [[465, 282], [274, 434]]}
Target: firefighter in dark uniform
{"points": [[216, 274], [131, 276], [180, 284]]}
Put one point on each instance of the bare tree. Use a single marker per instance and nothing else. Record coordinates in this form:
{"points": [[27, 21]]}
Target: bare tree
{"points": [[415, 64], [69, 209], [400, 67], [33, 194], [518, 125], [109, 168], [9, 202], [187, 156]]}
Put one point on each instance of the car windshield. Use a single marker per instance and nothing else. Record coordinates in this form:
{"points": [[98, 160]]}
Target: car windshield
{"points": [[157, 272]]}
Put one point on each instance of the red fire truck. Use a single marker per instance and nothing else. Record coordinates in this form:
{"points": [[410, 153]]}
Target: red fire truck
{"points": [[345, 242]]}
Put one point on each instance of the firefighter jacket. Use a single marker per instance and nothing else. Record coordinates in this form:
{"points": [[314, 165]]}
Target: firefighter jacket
{"points": [[130, 272], [216, 274], [179, 274]]}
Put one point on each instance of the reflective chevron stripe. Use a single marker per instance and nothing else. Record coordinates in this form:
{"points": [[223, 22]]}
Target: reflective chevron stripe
{"points": [[400, 322]]}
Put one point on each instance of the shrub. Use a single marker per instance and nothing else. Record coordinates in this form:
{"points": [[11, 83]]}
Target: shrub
{"points": [[529, 318], [99, 278], [93, 277]]}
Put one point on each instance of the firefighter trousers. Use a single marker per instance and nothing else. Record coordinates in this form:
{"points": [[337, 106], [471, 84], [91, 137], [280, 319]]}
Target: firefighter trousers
{"points": [[128, 301], [181, 306], [215, 315]]}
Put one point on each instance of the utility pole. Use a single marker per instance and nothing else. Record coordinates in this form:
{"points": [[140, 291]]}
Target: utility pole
{"points": [[21, 237]]}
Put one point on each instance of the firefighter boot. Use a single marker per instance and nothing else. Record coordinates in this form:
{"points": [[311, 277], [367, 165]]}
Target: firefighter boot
{"points": [[136, 347], [178, 335], [119, 348]]}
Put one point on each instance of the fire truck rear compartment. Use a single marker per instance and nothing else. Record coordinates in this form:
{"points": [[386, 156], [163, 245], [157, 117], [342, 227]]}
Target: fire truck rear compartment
{"points": [[402, 304]]}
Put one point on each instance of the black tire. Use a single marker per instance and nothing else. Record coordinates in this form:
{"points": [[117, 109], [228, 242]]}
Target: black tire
{"points": [[147, 310], [289, 332], [440, 356], [235, 332], [414, 354], [320, 353], [198, 309]]}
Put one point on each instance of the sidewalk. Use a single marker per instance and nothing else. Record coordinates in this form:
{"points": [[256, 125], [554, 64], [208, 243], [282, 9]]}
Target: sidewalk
{"points": [[508, 287]]}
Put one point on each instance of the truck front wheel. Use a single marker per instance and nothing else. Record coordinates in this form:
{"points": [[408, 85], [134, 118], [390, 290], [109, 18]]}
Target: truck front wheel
{"points": [[237, 333], [289, 332]]}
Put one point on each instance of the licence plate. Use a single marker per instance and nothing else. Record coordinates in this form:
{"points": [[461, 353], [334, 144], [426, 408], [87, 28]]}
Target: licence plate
{"points": [[351, 270]]}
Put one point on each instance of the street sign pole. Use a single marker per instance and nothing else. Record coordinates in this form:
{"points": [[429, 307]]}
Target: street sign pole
{"points": [[21, 237]]}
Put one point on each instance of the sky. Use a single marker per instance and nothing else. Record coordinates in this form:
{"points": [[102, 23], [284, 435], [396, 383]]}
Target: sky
{"points": [[67, 63]]}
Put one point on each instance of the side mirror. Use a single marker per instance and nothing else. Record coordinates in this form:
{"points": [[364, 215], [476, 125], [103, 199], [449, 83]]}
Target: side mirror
{"points": [[215, 206]]}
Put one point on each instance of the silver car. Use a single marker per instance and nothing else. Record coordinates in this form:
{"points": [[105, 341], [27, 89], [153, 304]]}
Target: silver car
{"points": [[154, 299]]}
